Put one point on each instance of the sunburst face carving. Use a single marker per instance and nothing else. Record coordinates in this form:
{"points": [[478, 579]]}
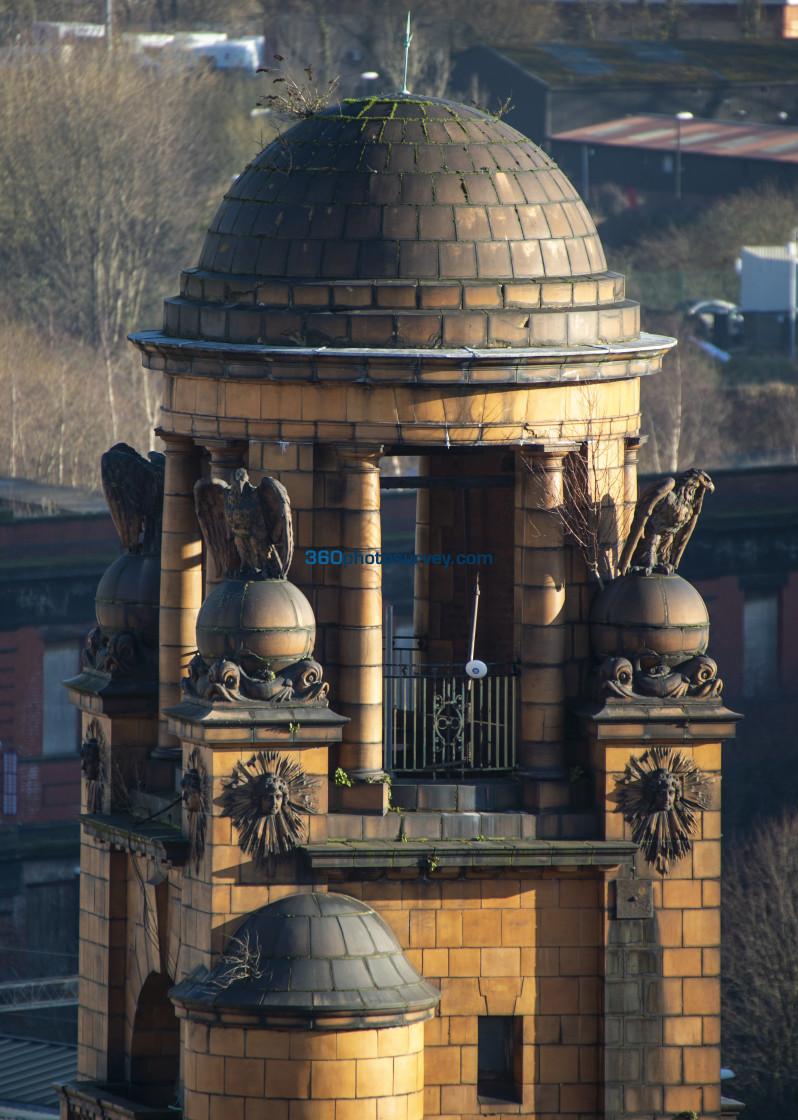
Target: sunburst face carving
{"points": [[94, 765], [267, 799], [660, 796], [194, 788]]}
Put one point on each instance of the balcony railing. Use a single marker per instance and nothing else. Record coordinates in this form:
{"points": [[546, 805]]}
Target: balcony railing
{"points": [[440, 723]]}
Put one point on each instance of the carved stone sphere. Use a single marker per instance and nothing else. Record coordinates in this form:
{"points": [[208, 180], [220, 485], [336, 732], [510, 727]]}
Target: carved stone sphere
{"points": [[264, 623], [127, 598], [637, 615]]}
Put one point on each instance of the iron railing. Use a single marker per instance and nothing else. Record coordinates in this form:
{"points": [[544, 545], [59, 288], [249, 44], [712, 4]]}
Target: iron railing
{"points": [[441, 723]]}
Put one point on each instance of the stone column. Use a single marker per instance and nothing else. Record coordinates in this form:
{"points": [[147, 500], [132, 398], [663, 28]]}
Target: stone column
{"points": [[540, 628], [226, 456], [631, 455], [181, 580], [360, 612], [323, 580], [422, 546]]}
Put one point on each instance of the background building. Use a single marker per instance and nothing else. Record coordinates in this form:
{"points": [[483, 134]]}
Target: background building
{"points": [[54, 544]]}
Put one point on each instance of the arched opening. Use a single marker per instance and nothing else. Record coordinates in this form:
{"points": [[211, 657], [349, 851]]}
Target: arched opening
{"points": [[155, 1046]]}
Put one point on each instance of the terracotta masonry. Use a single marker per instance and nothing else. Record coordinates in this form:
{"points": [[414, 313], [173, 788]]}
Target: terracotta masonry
{"points": [[326, 879]]}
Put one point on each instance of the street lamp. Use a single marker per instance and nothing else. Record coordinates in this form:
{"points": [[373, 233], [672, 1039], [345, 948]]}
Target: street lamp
{"points": [[678, 163]]}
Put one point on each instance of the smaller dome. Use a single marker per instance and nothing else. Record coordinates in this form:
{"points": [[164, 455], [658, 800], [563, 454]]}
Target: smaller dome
{"points": [[314, 957], [270, 619], [128, 595], [639, 615]]}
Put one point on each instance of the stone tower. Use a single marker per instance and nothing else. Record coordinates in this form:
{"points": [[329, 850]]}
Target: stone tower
{"points": [[391, 890]]}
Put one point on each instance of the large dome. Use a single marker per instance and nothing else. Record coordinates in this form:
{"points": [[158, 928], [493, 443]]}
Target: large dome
{"points": [[402, 222]]}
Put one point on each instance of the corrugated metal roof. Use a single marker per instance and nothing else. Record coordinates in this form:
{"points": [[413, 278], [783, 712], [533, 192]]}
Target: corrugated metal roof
{"points": [[768, 252], [645, 62], [766, 142], [29, 1067]]}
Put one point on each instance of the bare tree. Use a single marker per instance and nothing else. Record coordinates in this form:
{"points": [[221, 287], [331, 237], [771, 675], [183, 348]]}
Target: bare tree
{"points": [[306, 33], [52, 396], [708, 238], [592, 509], [509, 21], [760, 967], [104, 166], [685, 409], [763, 422]]}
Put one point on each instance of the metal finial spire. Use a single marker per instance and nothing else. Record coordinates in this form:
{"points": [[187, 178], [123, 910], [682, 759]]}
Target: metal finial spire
{"points": [[408, 38]]}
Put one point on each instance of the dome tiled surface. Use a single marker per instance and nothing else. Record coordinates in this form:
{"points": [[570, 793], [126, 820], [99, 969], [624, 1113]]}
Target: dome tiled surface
{"points": [[314, 953], [402, 222]]}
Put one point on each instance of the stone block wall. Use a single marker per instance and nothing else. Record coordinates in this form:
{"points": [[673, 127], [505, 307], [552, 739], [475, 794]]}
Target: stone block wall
{"points": [[250, 1073], [228, 884], [524, 945], [102, 961]]}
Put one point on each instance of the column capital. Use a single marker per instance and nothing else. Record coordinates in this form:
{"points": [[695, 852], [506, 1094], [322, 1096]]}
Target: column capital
{"points": [[548, 455], [632, 445], [365, 453], [175, 443], [220, 446], [227, 455]]}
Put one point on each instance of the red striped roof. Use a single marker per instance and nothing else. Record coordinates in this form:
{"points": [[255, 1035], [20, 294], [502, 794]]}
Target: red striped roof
{"points": [[774, 143]]}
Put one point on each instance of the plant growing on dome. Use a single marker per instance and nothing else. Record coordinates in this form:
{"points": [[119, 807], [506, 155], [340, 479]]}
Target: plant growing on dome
{"points": [[298, 97]]}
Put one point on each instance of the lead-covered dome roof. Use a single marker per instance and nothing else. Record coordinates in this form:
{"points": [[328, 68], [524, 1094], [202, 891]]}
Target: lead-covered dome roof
{"points": [[402, 222], [313, 956]]}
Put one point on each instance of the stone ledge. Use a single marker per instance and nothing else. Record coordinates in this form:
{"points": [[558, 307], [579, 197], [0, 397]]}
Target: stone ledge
{"points": [[433, 825], [106, 1101], [356, 855], [362, 364], [145, 837], [288, 725], [655, 720], [483, 796], [92, 691]]}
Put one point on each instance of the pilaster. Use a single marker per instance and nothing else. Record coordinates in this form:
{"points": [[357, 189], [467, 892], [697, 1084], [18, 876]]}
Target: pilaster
{"points": [[181, 578], [662, 930], [221, 881]]}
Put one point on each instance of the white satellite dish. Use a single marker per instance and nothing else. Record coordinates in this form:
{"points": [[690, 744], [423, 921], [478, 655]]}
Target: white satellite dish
{"points": [[476, 669]]}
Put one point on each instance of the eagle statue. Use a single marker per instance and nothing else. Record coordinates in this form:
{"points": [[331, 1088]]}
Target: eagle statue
{"points": [[247, 528], [133, 488], [664, 519]]}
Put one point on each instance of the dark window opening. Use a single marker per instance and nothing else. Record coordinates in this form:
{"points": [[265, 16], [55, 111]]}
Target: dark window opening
{"points": [[154, 1066], [498, 1038], [9, 784]]}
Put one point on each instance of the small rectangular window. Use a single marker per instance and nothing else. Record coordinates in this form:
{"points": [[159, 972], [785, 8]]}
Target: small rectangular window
{"points": [[9, 784], [60, 719], [496, 1057], [760, 643]]}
